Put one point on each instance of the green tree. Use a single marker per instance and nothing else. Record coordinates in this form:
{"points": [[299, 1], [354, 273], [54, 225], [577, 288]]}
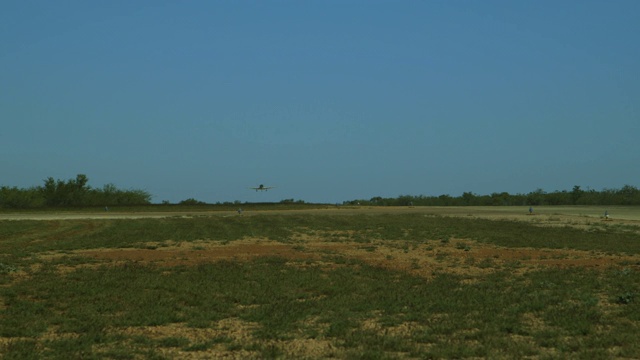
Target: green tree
{"points": [[76, 192], [536, 197], [629, 195], [191, 201], [576, 194], [468, 198]]}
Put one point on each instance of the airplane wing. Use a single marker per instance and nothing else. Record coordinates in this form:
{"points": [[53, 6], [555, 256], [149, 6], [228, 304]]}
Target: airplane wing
{"points": [[259, 188]]}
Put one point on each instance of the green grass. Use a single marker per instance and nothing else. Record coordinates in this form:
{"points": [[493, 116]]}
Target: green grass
{"points": [[281, 299], [364, 311], [34, 236]]}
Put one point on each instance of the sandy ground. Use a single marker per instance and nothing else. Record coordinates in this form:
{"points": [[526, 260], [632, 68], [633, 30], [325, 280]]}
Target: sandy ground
{"points": [[627, 213]]}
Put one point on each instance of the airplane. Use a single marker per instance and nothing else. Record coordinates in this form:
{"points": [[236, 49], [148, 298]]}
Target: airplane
{"points": [[262, 188]]}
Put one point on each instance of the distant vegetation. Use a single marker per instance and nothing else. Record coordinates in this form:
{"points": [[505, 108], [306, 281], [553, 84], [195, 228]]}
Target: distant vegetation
{"points": [[627, 195], [70, 193], [76, 193]]}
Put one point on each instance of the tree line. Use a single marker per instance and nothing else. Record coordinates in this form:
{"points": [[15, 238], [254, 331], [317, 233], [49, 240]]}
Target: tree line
{"points": [[627, 195], [70, 193], [77, 193]]}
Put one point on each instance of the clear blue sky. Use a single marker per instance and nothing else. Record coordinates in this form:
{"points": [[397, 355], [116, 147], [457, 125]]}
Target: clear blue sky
{"points": [[326, 100]]}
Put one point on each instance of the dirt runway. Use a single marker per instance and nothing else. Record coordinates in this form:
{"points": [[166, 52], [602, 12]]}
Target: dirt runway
{"points": [[563, 214]]}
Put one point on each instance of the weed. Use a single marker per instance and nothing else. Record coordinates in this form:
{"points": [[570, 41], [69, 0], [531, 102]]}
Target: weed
{"points": [[5, 268], [441, 256], [173, 342], [368, 248], [513, 264], [486, 263], [203, 346], [625, 298], [299, 247], [415, 265]]}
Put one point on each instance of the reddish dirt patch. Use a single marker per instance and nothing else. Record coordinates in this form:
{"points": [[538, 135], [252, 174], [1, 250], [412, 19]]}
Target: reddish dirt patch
{"points": [[463, 257], [173, 256]]}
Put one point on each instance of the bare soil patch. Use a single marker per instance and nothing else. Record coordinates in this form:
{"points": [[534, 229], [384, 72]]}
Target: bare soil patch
{"points": [[459, 256]]}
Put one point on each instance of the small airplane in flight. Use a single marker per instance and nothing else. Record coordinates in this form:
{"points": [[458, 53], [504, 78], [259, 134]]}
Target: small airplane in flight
{"points": [[262, 188]]}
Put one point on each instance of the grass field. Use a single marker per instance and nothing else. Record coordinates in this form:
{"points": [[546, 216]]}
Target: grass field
{"points": [[375, 283]]}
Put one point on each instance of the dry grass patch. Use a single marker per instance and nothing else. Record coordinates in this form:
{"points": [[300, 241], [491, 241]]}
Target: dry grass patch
{"points": [[221, 339], [457, 256]]}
